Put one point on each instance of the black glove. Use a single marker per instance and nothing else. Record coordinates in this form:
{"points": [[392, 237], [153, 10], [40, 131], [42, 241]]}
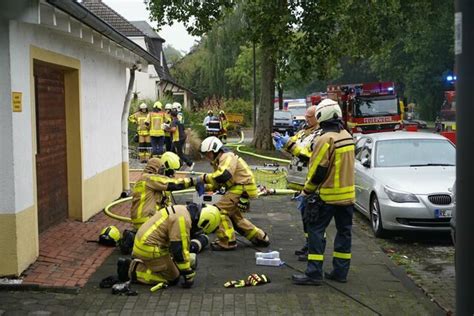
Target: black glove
{"points": [[200, 186], [188, 276]]}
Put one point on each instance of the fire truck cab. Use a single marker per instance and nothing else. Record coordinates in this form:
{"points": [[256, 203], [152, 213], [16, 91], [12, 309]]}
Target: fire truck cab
{"points": [[368, 107]]}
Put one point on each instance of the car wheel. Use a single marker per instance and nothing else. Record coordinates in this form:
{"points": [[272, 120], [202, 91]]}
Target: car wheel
{"points": [[376, 218]]}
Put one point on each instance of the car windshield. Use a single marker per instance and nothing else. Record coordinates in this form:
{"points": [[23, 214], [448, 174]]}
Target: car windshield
{"points": [[375, 107], [282, 115], [414, 153], [298, 110]]}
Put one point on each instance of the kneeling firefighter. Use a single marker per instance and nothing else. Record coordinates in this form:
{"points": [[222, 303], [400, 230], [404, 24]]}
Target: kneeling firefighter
{"points": [[329, 192], [232, 173], [161, 249]]}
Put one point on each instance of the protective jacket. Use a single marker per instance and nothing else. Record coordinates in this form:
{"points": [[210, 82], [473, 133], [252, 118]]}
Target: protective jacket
{"points": [[299, 146], [233, 173], [331, 168], [139, 118], [155, 121], [166, 233], [151, 193]]}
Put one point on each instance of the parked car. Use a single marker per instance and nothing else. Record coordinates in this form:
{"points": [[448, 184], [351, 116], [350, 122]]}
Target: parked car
{"points": [[403, 181], [298, 112], [283, 122], [419, 123]]}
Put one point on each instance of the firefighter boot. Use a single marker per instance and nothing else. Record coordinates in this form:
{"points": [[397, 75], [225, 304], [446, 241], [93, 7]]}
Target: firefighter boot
{"points": [[123, 265]]}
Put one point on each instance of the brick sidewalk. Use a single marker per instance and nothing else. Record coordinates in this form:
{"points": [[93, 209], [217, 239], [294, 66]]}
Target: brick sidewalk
{"points": [[69, 253]]}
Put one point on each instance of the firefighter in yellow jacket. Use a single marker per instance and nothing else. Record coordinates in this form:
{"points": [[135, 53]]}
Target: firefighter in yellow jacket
{"points": [[161, 248], [155, 121], [224, 126], [139, 118], [232, 173], [151, 191], [299, 146], [329, 192]]}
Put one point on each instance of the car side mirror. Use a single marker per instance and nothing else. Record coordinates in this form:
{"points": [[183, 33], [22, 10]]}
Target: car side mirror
{"points": [[365, 162]]}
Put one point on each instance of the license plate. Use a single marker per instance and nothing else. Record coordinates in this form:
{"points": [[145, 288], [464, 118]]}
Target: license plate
{"points": [[443, 213]]}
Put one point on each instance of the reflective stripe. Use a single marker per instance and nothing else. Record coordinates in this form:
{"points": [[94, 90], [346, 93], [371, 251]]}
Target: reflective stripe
{"points": [[315, 257], [228, 231], [348, 189], [146, 251], [342, 255], [252, 233], [238, 189], [184, 240], [314, 166], [140, 188], [149, 276], [338, 197], [164, 216], [338, 161]]}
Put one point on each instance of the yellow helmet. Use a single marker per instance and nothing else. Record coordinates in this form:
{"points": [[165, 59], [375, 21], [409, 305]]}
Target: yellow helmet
{"points": [[171, 162], [158, 105], [209, 219], [109, 236]]}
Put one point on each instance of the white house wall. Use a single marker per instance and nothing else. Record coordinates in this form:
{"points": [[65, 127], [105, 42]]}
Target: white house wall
{"points": [[102, 95]]}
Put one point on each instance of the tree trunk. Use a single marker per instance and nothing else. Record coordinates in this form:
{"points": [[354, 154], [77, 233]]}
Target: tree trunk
{"points": [[280, 96], [263, 138]]}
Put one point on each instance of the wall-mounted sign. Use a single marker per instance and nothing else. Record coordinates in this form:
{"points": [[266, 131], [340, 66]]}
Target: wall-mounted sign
{"points": [[16, 102]]}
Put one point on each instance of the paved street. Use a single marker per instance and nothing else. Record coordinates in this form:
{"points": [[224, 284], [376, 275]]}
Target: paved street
{"points": [[376, 285]]}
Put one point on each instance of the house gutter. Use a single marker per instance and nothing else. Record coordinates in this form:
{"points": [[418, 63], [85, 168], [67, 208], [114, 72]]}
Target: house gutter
{"points": [[125, 114]]}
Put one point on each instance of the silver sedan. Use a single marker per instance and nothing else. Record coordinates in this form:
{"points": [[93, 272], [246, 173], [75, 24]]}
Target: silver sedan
{"points": [[403, 181]]}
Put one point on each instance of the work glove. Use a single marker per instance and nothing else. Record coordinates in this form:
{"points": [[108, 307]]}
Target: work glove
{"points": [[188, 276], [257, 279], [193, 260], [200, 186], [235, 283], [301, 201]]}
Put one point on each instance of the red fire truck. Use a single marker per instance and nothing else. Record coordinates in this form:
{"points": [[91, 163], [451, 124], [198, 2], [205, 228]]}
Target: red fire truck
{"points": [[368, 107]]}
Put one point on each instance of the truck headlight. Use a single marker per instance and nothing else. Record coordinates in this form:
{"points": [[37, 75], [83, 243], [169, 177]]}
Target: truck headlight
{"points": [[400, 196]]}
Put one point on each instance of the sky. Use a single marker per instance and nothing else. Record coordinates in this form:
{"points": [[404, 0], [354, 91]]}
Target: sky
{"points": [[135, 10]]}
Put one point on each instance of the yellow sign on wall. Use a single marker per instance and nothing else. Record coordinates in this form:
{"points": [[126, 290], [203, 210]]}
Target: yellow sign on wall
{"points": [[16, 102]]}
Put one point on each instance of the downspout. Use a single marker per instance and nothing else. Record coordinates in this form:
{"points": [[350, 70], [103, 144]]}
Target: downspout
{"points": [[125, 114]]}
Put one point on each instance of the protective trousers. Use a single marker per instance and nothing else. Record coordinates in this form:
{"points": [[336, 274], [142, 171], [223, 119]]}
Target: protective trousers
{"points": [[144, 147], [342, 242], [232, 217], [301, 205], [154, 271]]}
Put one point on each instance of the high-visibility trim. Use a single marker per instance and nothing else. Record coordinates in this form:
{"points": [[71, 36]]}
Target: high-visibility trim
{"points": [[184, 266], [228, 231], [150, 276], [342, 255], [141, 188], [338, 161], [146, 251], [252, 233], [164, 216], [315, 257], [310, 185], [328, 191], [184, 242], [238, 189], [306, 235]]}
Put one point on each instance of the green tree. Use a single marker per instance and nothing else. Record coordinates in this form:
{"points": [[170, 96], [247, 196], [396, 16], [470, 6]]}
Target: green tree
{"points": [[172, 54]]}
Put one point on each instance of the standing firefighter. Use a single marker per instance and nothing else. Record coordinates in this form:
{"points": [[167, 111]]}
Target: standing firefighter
{"points": [[232, 173], [161, 248], [329, 191], [155, 121], [168, 141], [178, 137], [299, 146], [151, 190], [224, 126], [139, 118]]}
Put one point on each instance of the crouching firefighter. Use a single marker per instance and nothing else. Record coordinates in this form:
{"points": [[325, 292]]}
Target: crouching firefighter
{"points": [[299, 146], [232, 173], [151, 191], [329, 192], [161, 249]]}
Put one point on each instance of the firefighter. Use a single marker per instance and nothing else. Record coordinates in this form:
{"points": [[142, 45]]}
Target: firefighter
{"points": [[179, 110], [155, 121], [143, 132], [168, 141], [210, 114], [329, 192], [232, 173], [161, 248], [151, 190], [178, 137], [224, 126], [299, 146]]}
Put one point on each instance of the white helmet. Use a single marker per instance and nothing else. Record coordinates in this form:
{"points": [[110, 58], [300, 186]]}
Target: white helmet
{"points": [[328, 109], [168, 106], [143, 106], [177, 106], [212, 143]]}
